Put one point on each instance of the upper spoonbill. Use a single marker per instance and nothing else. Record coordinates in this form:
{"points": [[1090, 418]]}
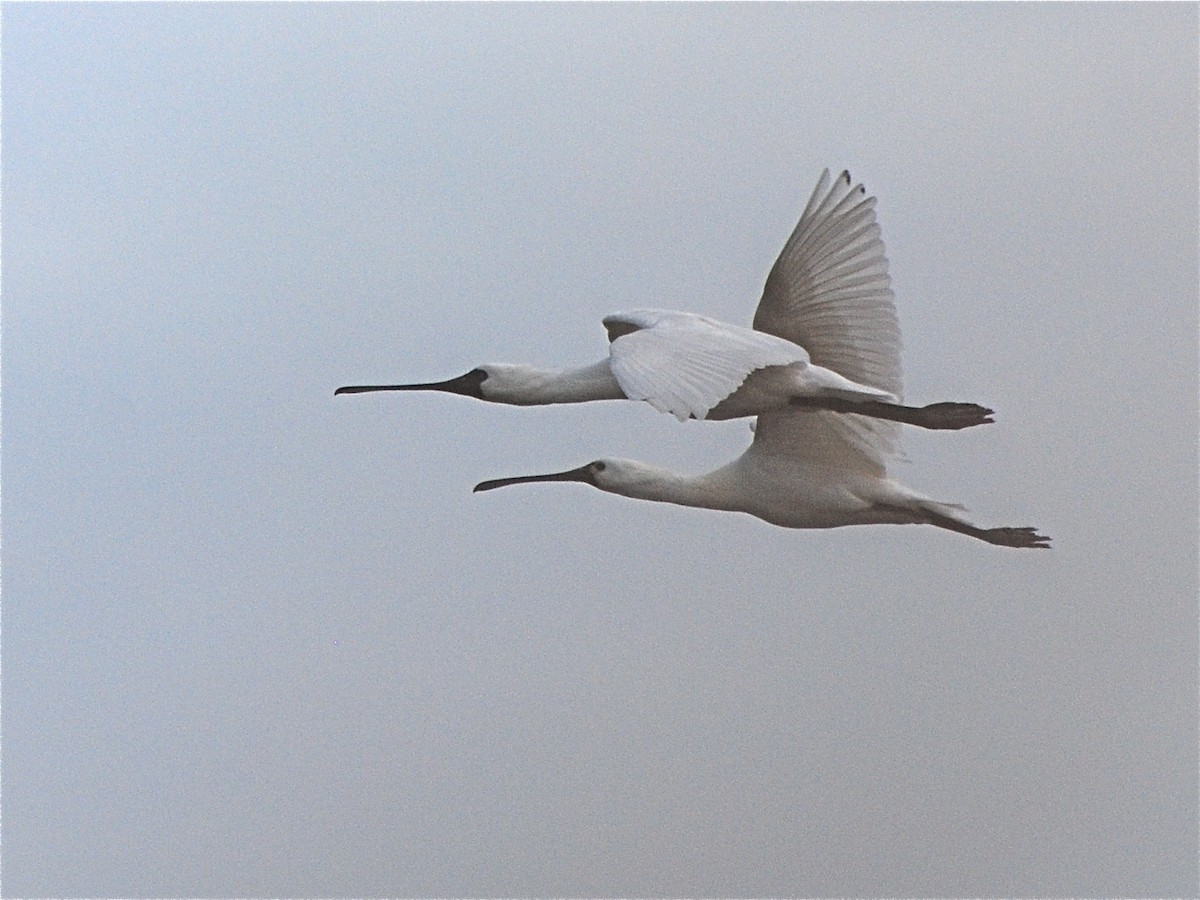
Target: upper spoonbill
{"points": [[804, 469], [825, 337]]}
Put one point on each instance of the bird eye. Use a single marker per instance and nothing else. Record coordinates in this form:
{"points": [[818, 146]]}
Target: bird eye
{"points": [[597, 467]]}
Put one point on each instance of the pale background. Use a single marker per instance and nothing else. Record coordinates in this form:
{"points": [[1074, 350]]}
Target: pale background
{"points": [[261, 642]]}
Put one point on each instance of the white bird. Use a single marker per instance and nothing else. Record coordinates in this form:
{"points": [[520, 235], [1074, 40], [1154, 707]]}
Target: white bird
{"points": [[802, 470], [825, 337], [807, 467]]}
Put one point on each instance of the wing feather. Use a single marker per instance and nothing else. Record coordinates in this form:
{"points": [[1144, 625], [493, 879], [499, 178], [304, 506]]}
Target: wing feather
{"points": [[821, 440], [686, 364], [835, 264], [830, 292]]}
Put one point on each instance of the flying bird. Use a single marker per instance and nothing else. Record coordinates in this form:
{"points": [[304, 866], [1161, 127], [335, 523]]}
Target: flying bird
{"points": [[808, 465], [825, 337], [802, 470]]}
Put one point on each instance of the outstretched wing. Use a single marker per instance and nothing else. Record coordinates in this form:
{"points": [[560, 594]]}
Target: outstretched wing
{"points": [[829, 292], [686, 364]]}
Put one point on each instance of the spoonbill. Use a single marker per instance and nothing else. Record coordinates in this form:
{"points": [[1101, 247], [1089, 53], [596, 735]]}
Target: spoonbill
{"points": [[824, 337], [803, 469]]}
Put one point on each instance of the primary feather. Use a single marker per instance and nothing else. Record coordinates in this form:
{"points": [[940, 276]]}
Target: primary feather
{"points": [[830, 292]]}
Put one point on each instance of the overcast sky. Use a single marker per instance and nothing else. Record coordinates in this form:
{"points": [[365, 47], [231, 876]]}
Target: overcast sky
{"points": [[259, 641]]}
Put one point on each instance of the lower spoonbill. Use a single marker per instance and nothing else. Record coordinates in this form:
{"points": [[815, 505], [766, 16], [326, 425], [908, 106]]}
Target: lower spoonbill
{"points": [[825, 337], [804, 469]]}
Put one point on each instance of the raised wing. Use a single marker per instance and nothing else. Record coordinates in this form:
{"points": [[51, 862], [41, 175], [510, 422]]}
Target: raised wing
{"points": [[686, 364], [829, 292]]}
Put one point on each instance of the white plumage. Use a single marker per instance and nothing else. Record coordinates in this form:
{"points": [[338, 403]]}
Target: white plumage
{"points": [[685, 364]]}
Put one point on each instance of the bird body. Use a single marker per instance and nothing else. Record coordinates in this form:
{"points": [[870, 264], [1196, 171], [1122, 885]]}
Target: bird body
{"points": [[695, 367]]}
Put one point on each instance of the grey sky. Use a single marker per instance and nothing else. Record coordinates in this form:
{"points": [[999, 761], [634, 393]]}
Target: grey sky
{"points": [[261, 642]]}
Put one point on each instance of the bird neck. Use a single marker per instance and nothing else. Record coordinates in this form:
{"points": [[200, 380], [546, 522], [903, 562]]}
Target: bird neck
{"points": [[529, 386], [645, 482]]}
